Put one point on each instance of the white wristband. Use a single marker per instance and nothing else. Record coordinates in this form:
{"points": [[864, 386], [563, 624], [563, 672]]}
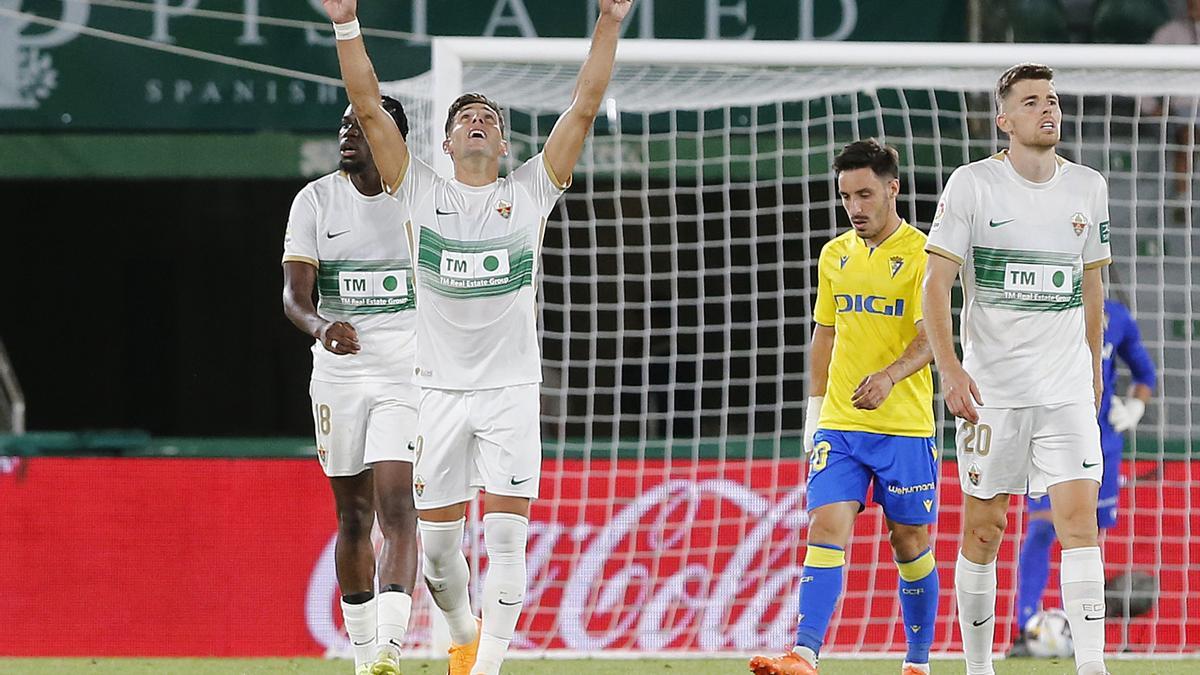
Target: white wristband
{"points": [[346, 31], [813, 410]]}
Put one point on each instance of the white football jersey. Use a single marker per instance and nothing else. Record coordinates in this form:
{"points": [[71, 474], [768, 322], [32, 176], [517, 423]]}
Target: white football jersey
{"points": [[1023, 247], [477, 253], [364, 277]]}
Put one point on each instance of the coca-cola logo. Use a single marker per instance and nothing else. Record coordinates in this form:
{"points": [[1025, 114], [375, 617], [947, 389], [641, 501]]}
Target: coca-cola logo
{"points": [[642, 582], [705, 563]]}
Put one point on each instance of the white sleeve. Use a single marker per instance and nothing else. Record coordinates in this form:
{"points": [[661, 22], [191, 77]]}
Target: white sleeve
{"points": [[538, 179], [300, 240], [1096, 250], [950, 233], [418, 177]]}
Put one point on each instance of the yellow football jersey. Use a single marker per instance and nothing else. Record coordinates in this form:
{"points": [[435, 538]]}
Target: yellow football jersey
{"points": [[872, 298]]}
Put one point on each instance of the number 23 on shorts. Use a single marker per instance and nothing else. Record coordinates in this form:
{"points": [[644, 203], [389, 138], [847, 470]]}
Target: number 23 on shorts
{"points": [[820, 456]]}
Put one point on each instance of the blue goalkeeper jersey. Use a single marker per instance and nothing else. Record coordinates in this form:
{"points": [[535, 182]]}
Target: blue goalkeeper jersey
{"points": [[1122, 338]]}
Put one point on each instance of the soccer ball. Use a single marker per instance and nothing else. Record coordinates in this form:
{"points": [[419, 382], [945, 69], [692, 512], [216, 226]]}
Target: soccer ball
{"points": [[1048, 635]]}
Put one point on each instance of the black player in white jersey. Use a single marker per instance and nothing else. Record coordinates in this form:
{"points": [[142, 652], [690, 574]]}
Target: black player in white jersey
{"points": [[346, 239]]}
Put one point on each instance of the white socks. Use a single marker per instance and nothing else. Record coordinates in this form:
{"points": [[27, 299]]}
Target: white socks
{"points": [[505, 536], [447, 575], [1082, 574], [975, 589], [360, 625], [394, 610]]}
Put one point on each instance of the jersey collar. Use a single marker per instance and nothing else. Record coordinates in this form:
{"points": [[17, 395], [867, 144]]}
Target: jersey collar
{"points": [[901, 230], [1011, 171]]}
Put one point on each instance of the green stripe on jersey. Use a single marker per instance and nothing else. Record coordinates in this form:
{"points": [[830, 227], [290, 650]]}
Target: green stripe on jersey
{"points": [[474, 269], [1032, 281], [366, 286]]}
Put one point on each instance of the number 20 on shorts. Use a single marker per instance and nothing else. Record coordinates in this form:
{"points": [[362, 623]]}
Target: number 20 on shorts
{"points": [[977, 438]]}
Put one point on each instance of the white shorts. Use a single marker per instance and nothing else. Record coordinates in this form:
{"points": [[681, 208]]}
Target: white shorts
{"points": [[468, 440], [1026, 450], [362, 423]]}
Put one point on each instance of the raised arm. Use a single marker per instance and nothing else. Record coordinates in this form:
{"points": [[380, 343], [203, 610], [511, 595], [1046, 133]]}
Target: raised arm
{"points": [[566, 139], [957, 386], [362, 87]]}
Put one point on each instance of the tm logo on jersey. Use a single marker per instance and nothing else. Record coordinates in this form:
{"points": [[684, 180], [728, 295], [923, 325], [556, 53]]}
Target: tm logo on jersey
{"points": [[869, 304], [473, 270], [384, 287], [1023, 281]]}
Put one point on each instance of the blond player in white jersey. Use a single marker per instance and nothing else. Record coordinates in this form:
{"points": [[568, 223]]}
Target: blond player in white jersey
{"points": [[346, 238], [1027, 231], [477, 239]]}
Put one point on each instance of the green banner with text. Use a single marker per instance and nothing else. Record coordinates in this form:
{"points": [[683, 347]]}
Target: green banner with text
{"points": [[270, 65]]}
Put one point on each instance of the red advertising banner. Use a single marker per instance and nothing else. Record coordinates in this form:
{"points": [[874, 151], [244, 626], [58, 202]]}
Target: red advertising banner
{"points": [[173, 557]]}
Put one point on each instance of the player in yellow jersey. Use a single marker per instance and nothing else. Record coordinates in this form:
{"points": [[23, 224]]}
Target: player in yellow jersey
{"points": [[870, 410]]}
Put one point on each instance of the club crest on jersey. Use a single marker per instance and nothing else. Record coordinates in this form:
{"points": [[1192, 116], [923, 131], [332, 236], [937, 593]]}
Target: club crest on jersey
{"points": [[973, 474], [419, 485], [322, 454], [845, 258], [896, 262], [1079, 223], [504, 209]]}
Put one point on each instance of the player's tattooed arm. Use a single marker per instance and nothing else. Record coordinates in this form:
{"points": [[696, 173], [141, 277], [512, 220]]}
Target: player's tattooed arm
{"points": [[957, 386], [299, 278], [565, 143], [875, 388], [362, 87]]}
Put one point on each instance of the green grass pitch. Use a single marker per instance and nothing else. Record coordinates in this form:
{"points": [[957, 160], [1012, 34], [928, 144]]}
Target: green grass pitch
{"points": [[547, 667]]}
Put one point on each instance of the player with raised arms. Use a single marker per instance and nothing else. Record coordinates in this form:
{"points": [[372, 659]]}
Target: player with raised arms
{"points": [[344, 237], [1027, 232], [476, 239], [869, 416]]}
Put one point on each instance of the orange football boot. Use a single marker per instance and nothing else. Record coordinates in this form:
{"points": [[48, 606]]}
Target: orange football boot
{"points": [[462, 657], [787, 664]]}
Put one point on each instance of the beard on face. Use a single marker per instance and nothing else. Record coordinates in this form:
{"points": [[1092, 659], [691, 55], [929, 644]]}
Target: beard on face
{"points": [[353, 164]]}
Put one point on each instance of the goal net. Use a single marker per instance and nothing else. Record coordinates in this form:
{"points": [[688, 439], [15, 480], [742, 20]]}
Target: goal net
{"points": [[675, 309], [12, 401]]}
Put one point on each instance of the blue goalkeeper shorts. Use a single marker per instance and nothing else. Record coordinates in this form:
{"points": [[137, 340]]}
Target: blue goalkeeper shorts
{"points": [[904, 470], [1112, 443]]}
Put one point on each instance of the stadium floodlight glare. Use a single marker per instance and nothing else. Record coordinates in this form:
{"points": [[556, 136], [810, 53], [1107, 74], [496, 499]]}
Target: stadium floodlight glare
{"points": [[676, 293]]}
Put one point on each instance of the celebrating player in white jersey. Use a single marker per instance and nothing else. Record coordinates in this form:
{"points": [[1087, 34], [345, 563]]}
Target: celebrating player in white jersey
{"points": [[476, 239], [346, 236], [1028, 232]]}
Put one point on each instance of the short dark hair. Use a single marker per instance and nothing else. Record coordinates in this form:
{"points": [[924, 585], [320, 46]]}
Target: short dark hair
{"points": [[471, 99], [396, 110], [869, 154], [1019, 73]]}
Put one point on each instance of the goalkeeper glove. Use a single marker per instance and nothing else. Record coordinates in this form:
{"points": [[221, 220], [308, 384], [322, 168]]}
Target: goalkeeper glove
{"points": [[812, 415], [1124, 414]]}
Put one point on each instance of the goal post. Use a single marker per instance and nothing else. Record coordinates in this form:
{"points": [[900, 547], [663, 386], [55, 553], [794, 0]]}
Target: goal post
{"points": [[675, 306]]}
